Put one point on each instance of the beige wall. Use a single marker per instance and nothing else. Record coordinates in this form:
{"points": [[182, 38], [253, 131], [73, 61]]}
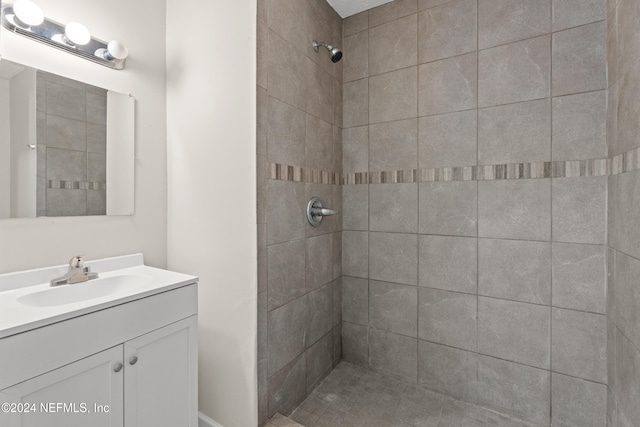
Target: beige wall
{"points": [[28, 243], [212, 204]]}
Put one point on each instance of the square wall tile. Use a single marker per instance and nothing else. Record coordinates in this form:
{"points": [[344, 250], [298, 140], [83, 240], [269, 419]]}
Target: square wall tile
{"points": [[448, 85], [515, 209], [579, 277], [579, 209], [448, 318], [336, 288], [571, 13], [393, 96], [393, 145], [319, 260], [628, 43], [448, 30], [506, 21], [356, 56], [448, 208], [627, 221], [355, 253], [355, 23], [515, 133], [627, 125], [393, 355], [393, 45], [575, 402], [628, 378], [286, 17], [355, 344], [355, 103], [393, 257], [286, 206], [96, 167], [393, 308], [66, 202], [579, 344], [391, 11], [448, 370], [515, 72], [288, 387], [580, 59], [319, 144], [320, 84], [355, 207], [448, 140], [627, 297], [393, 207], [515, 270], [449, 263], [320, 314], [287, 333], [66, 165], [65, 133], [286, 134], [514, 389], [580, 126], [285, 81], [355, 300], [66, 101], [96, 202], [355, 149], [319, 361], [515, 331], [285, 272]]}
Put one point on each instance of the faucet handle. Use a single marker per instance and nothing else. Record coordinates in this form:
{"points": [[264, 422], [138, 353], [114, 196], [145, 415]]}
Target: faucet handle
{"points": [[77, 261]]}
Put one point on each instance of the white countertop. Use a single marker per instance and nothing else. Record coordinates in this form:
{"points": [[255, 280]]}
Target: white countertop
{"points": [[17, 317]]}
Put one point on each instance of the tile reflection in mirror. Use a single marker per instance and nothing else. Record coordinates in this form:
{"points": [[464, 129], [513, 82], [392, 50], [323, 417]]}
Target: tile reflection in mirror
{"points": [[66, 147]]}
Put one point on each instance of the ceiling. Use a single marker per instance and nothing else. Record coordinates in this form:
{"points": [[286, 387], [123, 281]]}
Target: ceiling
{"points": [[351, 7]]}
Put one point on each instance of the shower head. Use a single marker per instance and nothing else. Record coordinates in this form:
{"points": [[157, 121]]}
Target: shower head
{"points": [[334, 53]]}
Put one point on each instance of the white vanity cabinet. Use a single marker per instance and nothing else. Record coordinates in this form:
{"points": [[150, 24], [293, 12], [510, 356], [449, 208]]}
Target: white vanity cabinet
{"points": [[133, 364]]}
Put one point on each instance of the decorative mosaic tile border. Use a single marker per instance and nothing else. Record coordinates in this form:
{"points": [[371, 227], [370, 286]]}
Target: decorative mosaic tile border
{"points": [[621, 163], [77, 185], [299, 174]]}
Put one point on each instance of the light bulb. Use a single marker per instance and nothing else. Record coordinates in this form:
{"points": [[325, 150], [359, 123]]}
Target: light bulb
{"points": [[117, 50], [28, 13], [77, 33]]}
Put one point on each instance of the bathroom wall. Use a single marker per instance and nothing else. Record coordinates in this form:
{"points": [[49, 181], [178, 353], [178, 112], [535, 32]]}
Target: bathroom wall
{"points": [[5, 151], [623, 308], [211, 118], [72, 145], [28, 243], [474, 202], [299, 155]]}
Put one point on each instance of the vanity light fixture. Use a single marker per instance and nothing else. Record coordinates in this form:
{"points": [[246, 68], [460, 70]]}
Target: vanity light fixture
{"points": [[24, 17], [27, 14]]}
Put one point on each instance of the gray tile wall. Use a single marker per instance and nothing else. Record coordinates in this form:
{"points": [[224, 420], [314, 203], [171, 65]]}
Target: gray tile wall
{"points": [[72, 144], [490, 291], [299, 98], [623, 254]]}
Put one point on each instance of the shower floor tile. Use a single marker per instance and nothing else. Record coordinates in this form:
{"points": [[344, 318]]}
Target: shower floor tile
{"points": [[352, 396]]}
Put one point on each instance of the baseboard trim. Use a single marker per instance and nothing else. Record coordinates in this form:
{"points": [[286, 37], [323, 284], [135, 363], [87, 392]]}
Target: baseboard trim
{"points": [[204, 421]]}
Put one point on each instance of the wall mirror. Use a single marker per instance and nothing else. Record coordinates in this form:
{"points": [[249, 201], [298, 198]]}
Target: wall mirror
{"points": [[66, 147]]}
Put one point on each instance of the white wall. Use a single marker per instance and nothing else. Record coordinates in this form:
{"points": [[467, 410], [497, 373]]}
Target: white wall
{"points": [[5, 152], [212, 222], [22, 103], [26, 243]]}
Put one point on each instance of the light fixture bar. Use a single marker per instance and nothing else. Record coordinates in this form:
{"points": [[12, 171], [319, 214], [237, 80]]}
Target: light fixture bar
{"points": [[51, 33]]}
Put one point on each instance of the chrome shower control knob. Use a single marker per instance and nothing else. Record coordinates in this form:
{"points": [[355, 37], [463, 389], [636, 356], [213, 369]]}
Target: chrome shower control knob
{"points": [[315, 211]]}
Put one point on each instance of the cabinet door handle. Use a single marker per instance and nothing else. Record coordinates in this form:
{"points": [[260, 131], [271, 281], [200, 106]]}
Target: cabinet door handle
{"points": [[117, 367], [133, 360]]}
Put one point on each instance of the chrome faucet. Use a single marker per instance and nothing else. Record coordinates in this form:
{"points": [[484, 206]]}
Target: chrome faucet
{"points": [[77, 273]]}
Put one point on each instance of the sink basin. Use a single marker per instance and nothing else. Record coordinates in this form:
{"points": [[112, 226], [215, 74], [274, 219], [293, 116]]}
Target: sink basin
{"points": [[92, 289]]}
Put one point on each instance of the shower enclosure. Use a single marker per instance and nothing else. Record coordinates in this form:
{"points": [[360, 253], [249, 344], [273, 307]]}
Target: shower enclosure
{"points": [[471, 146]]}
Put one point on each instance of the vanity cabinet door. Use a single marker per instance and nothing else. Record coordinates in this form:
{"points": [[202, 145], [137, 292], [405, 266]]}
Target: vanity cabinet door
{"points": [[88, 392], [161, 377]]}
